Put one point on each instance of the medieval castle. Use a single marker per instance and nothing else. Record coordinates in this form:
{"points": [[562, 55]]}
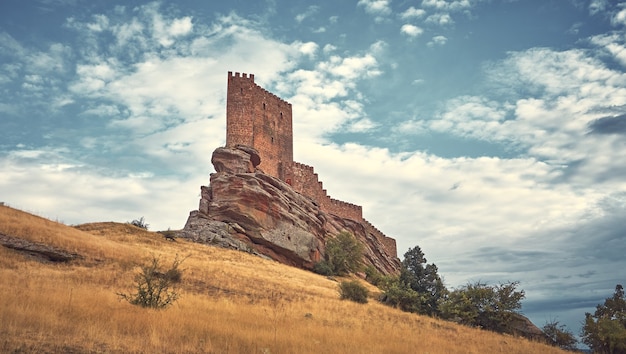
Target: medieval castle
{"points": [[258, 118]]}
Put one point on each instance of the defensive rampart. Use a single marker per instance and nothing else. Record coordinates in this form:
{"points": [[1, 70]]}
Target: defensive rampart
{"points": [[305, 181]]}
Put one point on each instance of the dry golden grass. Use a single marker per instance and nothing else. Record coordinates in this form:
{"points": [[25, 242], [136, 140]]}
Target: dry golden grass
{"points": [[231, 302]]}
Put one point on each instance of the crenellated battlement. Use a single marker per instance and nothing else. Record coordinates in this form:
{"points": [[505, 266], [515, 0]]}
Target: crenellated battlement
{"points": [[258, 118], [250, 78], [243, 75], [387, 242]]}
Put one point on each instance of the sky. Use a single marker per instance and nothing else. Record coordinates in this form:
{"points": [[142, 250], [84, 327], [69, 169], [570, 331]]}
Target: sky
{"points": [[489, 133]]}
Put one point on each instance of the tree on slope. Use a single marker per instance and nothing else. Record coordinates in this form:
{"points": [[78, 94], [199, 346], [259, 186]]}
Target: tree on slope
{"points": [[560, 336], [489, 307], [605, 331], [344, 255], [418, 288], [423, 279]]}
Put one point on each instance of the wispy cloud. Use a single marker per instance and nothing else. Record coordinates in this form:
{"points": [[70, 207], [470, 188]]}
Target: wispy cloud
{"points": [[310, 11]]}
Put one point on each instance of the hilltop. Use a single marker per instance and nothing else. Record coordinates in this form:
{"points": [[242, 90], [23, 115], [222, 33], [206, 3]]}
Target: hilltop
{"points": [[231, 301]]}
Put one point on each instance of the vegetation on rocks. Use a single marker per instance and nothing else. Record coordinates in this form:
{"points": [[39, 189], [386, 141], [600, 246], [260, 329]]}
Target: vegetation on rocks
{"points": [[344, 255]]}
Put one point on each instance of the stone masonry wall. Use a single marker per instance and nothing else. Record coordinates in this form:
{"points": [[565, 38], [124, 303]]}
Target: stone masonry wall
{"points": [[388, 242], [305, 181], [258, 118]]}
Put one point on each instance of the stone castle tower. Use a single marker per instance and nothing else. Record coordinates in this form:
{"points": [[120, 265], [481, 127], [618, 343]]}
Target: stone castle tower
{"points": [[262, 120], [258, 118]]}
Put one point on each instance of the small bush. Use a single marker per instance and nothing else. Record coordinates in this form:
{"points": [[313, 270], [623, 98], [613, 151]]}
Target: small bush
{"points": [[168, 234], [140, 223], [155, 287], [353, 291], [323, 268], [373, 276]]}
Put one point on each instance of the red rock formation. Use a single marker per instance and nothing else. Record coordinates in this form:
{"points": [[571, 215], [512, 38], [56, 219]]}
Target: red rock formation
{"points": [[244, 208]]}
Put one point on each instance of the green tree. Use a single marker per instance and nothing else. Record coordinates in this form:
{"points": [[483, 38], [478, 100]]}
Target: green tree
{"points": [[490, 307], [400, 295], [424, 279], [560, 336], [344, 254], [605, 331], [418, 288]]}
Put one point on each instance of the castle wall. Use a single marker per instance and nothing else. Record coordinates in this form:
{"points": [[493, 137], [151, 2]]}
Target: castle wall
{"points": [[305, 181], [388, 243], [258, 118]]}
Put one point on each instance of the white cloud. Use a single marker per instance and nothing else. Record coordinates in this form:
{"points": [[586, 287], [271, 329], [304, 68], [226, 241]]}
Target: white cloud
{"points": [[619, 18], [411, 30], [451, 5], [437, 40], [613, 44], [441, 19], [412, 12], [379, 8], [101, 23], [329, 48], [180, 27], [376, 7], [351, 67], [596, 6], [576, 91], [309, 49]]}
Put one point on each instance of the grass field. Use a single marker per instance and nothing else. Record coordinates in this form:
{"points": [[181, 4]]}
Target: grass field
{"points": [[230, 302]]}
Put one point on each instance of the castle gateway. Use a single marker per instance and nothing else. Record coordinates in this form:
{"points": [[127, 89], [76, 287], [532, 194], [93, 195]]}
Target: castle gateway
{"points": [[262, 120]]}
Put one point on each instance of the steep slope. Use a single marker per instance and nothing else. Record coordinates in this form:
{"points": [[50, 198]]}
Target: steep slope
{"points": [[244, 208], [231, 302]]}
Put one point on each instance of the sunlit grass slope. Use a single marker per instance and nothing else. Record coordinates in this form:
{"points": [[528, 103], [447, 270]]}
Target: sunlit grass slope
{"points": [[231, 302]]}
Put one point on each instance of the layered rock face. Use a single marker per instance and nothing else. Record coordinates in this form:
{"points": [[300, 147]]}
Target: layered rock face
{"points": [[246, 209]]}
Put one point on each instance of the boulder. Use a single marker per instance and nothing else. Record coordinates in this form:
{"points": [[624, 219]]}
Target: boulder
{"points": [[241, 159]]}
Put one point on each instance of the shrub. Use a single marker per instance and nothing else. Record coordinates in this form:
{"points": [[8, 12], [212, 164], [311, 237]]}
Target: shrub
{"points": [[343, 254], [154, 287], [558, 335], [323, 268], [401, 296], [373, 276], [169, 234], [353, 291], [140, 223]]}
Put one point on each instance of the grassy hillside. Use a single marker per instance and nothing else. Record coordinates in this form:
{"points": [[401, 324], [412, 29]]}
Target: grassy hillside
{"points": [[231, 302]]}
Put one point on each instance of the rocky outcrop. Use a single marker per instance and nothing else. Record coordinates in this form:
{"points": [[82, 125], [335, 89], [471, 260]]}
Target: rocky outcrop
{"points": [[38, 251], [520, 325], [244, 208]]}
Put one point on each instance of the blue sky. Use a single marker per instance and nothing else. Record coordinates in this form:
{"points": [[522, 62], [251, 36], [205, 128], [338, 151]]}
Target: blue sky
{"points": [[489, 133]]}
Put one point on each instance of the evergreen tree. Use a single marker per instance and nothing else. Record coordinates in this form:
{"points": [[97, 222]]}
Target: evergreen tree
{"points": [[605, 331]]}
